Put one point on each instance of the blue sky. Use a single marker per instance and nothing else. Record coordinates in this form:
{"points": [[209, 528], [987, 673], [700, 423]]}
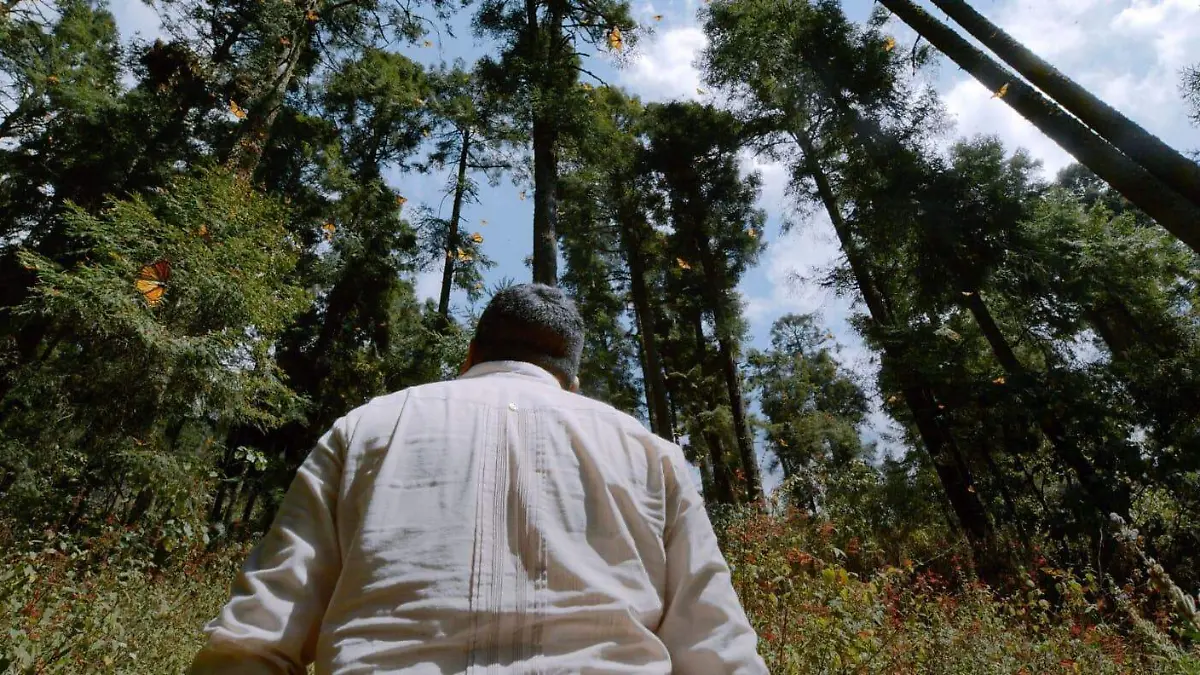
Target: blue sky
{"points": [[1129, 52]]}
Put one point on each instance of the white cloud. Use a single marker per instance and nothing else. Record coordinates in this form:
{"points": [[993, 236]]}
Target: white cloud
{"points": [[1127, 52], [774, 176], [1050, 28], [977, 111], [793, 266], [1173, 25], [665, 66]]}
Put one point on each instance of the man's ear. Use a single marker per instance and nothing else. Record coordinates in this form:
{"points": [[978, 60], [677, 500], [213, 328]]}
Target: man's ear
{"points": [[470, 361], [574, 388]]}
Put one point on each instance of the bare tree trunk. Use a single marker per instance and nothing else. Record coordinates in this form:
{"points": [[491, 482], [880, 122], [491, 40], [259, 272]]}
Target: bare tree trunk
{"points": [[652, 369], [263, 111], [714, 274], [248, 510], [1167, 164], [452, 234], [1175, 213], [545, 203], [940, 445], [549, 43], [722, 480], [141, 505]]}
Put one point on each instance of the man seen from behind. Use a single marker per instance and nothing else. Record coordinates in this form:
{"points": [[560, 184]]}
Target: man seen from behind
{"points": [[497, 523]]}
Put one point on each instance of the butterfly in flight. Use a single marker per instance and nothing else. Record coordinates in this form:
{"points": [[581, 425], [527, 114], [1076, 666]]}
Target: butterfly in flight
{"points": [[615, 40], [152, 281]]}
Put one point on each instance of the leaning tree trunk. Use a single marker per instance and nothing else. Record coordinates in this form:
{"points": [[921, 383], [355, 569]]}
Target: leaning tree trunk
{"points": [[714, 283], [1166, 163], [1175, 213], [656, 386], [1105, 498], [940, 445], [452, 236]]}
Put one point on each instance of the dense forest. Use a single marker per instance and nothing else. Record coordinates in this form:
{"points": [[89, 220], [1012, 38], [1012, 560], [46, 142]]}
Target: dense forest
{"points": [[207, 256]]}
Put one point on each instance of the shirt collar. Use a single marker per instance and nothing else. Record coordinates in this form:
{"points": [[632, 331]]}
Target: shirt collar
{"points": [[512, 368]]}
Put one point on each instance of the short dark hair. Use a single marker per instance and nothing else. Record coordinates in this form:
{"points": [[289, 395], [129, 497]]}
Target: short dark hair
{"points": [[533, 323]]}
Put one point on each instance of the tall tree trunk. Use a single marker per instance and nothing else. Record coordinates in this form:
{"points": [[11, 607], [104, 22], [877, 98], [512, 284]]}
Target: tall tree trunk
{"points": [[1175, 213], [1010, 504], [551, 47], [652, 369], [460, 188], [722, 480], [956, 481], [1167, 164], [714, 274], [141, 504], [545, 202]]}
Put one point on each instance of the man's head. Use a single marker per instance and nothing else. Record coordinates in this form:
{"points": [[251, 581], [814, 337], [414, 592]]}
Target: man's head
{"points": [[532, 323]]}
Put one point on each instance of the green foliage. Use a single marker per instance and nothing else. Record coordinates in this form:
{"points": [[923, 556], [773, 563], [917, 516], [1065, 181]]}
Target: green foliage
{"points": [[1037, 341], [118, 381], [813, 408], [100, 604]]}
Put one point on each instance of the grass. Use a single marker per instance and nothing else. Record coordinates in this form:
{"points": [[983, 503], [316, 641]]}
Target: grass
{"points": [[822, 602]]}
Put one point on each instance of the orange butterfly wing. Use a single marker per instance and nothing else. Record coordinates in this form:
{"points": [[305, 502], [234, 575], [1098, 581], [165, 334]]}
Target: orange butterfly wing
{"points": [[159, 271], [151, 281]]}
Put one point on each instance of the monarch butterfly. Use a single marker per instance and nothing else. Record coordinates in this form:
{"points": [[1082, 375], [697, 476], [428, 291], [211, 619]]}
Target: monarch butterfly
{"points": [[152, 281], [237, 110], [615, 40], [477, 238], [329, 228]]}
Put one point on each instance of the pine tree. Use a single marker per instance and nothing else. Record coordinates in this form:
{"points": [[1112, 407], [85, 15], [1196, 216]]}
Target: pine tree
{"points": [[813, 408], [783, 105], [538, 69], [470, 134], [693, 151]]}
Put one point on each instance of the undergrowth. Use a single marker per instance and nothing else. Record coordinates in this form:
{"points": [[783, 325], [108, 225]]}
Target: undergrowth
{"points": [[821, 599]]}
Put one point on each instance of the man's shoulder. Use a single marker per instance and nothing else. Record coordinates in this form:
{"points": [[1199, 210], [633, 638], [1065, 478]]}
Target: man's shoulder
{"points": [[615, 416], [383, 410]]}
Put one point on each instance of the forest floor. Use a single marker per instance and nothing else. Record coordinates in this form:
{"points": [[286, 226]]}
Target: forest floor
{"points": [[102, 605]]}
